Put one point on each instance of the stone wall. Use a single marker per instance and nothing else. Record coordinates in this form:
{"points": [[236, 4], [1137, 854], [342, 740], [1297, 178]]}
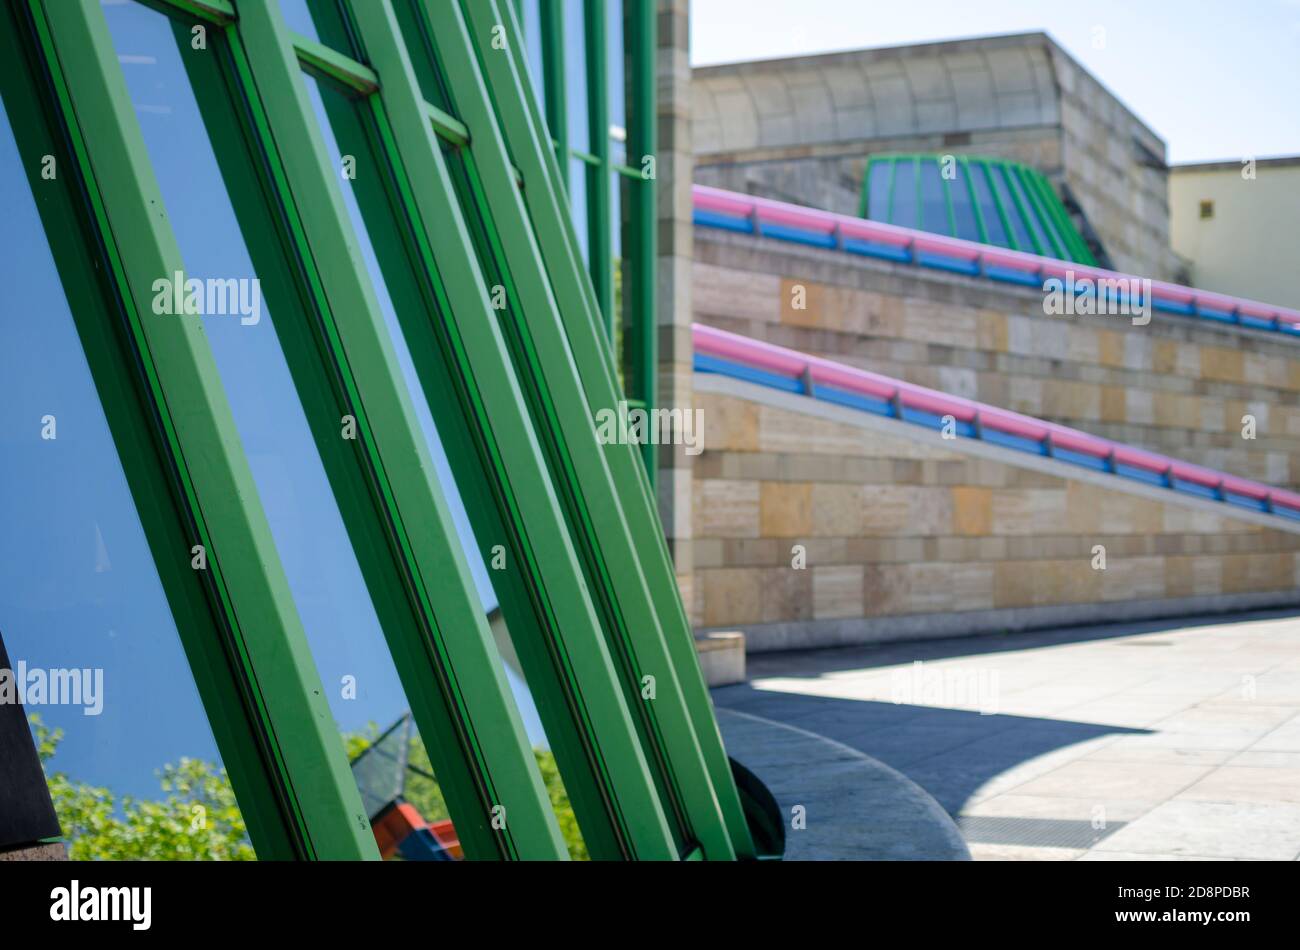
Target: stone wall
{"points": [[904, 538], [1179, 385]]}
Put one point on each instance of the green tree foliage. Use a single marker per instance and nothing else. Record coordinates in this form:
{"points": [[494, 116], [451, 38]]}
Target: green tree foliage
{"points": [[195, 820], [197, 817]]}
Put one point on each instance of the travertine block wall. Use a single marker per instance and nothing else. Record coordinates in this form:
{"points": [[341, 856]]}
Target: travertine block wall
{"points": [[1177, 385], [893, 528]]}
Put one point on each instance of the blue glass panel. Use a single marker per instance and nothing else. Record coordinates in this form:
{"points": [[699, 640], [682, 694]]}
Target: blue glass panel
{"points": [[79, 594], [881, 176], [575, 76], [963, 210], [934, 206], [1018, 227], [997, 234], [532, 27], [904, 210], [1030, 216], [578, 203], [322, 570]]}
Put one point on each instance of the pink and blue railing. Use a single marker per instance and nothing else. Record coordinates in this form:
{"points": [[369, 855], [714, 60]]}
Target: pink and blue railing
{"points": [[739, 357], [715, 208]]}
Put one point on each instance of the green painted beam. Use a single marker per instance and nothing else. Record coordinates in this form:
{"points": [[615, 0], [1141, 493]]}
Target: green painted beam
{"points": [[445, 655], [244, 572], [525, 138], [547, 606]]}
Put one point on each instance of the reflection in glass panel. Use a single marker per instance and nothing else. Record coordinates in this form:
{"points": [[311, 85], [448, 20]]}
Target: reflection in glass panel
{"points": [[934, 206], [575, 76], [904, 209], [963, 209], [81, 606], [997, 234], [364, 692], [1023, 241]]}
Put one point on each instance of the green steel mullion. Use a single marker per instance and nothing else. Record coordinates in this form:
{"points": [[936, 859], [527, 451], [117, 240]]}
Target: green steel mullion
{"points": [[578, 465], [916, 182], [142, 449], [219, 12], [572, 672], [599, 203], [327, 61], [551, 17], [448, 663], [1035, 200], [1020, 210], [640, 34], [1051, 206], [974, 200], [242, 562], [525, 138], [453, 130], [1003, 212], [889, 208], [947, 198], [1069, 232]]}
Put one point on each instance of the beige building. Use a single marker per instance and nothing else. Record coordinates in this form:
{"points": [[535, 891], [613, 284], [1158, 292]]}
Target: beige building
{"points": [[1240, 232], [802, 129]]}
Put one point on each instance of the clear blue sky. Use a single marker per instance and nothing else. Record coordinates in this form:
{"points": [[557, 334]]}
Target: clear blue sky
{"points": [[1215, 80]]}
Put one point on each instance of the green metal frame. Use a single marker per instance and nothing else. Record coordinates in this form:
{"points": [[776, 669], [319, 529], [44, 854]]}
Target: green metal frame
{"points": [[453, 204], [1038, 204], [525, 139], [637, 337], [282, 721]]}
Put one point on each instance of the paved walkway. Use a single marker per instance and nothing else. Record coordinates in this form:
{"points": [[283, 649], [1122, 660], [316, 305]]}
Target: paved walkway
{"points": [[1155, 741]]}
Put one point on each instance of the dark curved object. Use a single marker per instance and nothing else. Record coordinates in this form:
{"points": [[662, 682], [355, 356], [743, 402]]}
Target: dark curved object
{"points": [[762, 813]]}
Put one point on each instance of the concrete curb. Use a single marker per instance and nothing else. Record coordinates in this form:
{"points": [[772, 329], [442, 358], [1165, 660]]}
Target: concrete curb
{"points": [[856, 807]]}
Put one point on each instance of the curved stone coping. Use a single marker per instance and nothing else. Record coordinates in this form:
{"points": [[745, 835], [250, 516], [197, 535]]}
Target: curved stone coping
{"points": [[856, 807]]}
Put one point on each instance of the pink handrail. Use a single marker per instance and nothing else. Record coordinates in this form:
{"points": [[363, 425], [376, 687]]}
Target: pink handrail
{"points": [[802, 366], [815, 221]]}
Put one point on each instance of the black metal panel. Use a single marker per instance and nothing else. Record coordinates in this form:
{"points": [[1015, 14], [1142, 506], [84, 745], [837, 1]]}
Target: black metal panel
{"points": [[26, 812]]}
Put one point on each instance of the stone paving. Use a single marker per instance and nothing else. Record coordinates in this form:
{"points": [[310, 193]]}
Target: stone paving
{"points": [[1151, 741]]}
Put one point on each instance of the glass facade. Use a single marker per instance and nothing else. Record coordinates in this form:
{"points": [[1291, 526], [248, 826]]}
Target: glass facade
{"points": [[342, 367], [991, 201]]}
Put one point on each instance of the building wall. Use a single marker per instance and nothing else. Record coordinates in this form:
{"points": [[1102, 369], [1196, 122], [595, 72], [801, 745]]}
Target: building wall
{"points": [[1178, 385], [1249, 246], [904, 538], [801, 130]]}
